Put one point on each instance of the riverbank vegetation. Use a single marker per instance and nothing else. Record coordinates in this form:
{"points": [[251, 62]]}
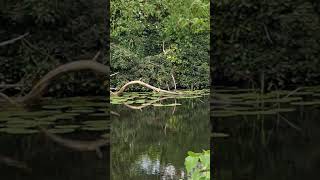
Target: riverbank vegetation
{"points": [[38, 36], [265, 44], [163, 43]]}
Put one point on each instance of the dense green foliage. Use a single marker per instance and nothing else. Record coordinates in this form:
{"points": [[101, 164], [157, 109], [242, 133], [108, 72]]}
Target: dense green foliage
{"points": [[275, 42], [154, 40], [59, 32]]}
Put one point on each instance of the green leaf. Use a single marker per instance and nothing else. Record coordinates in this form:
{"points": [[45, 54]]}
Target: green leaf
{"points": [[190, 163]]}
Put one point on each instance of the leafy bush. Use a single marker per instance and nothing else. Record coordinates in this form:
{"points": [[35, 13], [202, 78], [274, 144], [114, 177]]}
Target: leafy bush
{"points": [[198, 165]]}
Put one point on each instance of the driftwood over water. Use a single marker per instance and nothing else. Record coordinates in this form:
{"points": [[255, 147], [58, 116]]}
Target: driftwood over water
{"points": [[124, 87]]}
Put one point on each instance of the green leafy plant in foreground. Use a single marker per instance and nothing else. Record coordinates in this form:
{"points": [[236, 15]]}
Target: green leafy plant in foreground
{"points": [[198, 165]]}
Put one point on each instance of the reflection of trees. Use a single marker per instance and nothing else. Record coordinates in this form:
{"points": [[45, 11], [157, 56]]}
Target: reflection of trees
{"points": [[266, 148], [49, 161], [135, 134]]}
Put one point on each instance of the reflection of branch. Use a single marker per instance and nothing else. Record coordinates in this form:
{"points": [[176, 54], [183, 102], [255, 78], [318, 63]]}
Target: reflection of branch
{"points": [[147, 104], [14, 163], [78, 145], [174, 107], [290, 123]]}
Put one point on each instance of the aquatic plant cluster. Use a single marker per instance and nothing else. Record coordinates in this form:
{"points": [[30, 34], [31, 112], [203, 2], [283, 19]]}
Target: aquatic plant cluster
{"points": [[143, 99], [254, 132], [66, 115], [234, 102]]}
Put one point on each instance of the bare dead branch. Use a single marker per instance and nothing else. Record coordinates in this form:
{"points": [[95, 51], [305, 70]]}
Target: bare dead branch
{"points": [[124, 87], [13, 40]]}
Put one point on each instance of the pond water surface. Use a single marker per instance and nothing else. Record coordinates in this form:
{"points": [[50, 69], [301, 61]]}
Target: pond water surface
{"points": [[152, 142], [26, 153], [262, 137]]}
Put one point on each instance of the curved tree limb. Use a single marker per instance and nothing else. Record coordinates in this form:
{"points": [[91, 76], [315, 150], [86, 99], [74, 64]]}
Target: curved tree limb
{"points": [[38, 89], [124, 87]]}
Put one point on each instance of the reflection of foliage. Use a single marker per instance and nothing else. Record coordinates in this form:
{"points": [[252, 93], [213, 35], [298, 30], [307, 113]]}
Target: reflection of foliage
{"points": [[139, 133], [265, 134], [198, 165], [172, 123]]}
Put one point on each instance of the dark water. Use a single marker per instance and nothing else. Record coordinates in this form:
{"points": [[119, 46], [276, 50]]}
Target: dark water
{"points": [[267, 145], [25, 153], [153, 143]]}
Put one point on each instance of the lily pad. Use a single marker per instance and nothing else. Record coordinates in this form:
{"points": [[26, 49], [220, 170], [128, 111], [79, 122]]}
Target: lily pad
{"points": [[60, 130], [306, 103], [18, 130], [67, 126]]}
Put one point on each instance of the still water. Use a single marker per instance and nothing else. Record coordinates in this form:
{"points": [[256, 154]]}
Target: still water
{"points": [[152, 142], [262, 137], [72, 145]]}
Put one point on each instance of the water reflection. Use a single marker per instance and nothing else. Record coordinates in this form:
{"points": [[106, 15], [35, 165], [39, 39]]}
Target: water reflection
{"points": [[153, 143], [68, 148], [271, 136], [145, 165]]}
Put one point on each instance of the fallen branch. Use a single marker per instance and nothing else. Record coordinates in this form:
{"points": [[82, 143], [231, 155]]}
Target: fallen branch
{"points": [[124, 87], [38, 89]]}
